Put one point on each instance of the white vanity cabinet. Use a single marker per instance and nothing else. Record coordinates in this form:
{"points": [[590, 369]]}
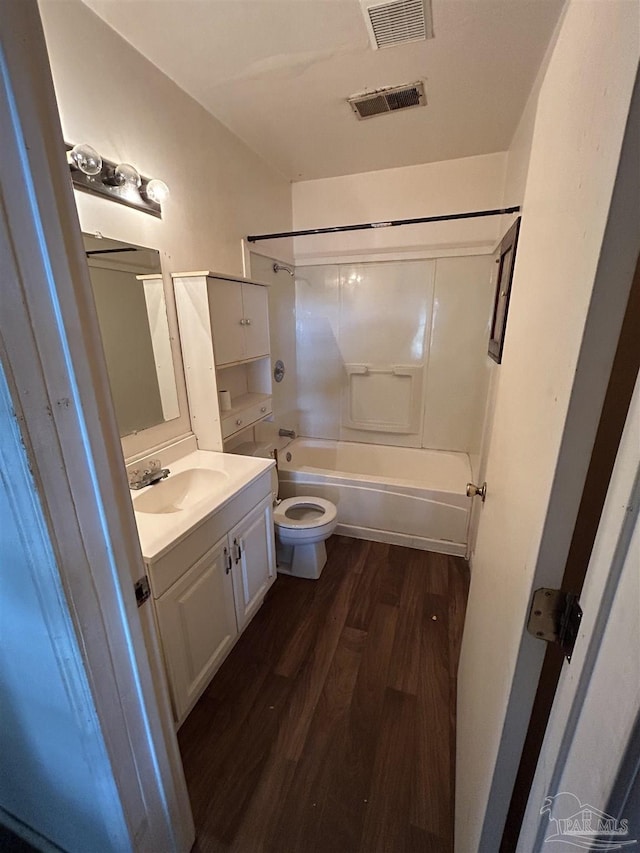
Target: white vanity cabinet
{"points": [[253, 560], [197, 622], [224, 334], [206, 594]]}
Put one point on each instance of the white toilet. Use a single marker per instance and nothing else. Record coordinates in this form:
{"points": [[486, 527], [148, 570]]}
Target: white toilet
{"points": [[302, 524]]}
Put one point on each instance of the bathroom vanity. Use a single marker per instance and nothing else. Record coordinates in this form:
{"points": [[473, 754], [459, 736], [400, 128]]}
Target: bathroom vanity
{"points": [[206, 534]]}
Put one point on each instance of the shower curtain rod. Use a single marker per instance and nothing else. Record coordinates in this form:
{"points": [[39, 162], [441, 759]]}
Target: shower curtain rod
{"points": [[392, 223]]}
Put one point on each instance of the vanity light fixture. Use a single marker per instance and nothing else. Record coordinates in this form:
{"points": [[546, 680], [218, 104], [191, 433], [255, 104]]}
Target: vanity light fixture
{"points": [[120, 182], [86, 159], [157, 191]]}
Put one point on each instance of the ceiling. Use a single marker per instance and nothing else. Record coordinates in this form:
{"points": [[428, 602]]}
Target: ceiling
{"points": [[277, 73]]}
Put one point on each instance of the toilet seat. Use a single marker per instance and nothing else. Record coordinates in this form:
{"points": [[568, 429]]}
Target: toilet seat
{"points": [[327, 513]]}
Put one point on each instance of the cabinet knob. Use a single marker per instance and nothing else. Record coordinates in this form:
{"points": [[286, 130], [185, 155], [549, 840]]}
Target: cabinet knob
{"points": [[263, 409], [238, 421], [242, 322], [248, 321]]}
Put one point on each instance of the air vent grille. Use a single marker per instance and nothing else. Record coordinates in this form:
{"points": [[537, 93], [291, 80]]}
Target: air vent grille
{"points": [[388, 100], [397, 22]]}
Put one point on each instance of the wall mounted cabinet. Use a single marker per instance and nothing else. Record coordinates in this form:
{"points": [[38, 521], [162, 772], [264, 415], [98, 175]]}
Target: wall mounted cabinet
{"points": [[224, 333], [239, 320]]}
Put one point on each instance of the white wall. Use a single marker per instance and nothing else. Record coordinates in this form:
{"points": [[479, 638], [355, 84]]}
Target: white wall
{"points": [[432, 189], [110, 96], [577, 135], [517, 167]]}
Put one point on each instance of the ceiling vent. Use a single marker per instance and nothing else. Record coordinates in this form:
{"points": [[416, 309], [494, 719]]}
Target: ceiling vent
{"points": [[388, 100], [397, 22]]}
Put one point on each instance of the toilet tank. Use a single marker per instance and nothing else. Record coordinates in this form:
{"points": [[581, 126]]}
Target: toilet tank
{"points": [[265, 450]]}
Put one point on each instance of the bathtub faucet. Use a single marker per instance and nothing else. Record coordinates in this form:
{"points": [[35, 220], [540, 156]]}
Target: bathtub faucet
{"points": [[287, 433]]}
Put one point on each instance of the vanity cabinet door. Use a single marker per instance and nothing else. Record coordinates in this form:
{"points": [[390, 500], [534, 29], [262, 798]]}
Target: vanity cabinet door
{"points": [[197, 623], [227, 321], [254, 564], [255, 307]]}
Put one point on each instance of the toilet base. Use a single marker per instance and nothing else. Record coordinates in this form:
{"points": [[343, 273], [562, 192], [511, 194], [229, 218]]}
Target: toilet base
{"points": [[307, 561]]}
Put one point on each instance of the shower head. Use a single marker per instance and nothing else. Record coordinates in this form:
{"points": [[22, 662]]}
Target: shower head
{"points": [[277, 267]]}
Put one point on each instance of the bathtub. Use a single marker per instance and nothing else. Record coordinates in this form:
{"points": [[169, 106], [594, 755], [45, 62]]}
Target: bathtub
{"points": [[398, 495]]}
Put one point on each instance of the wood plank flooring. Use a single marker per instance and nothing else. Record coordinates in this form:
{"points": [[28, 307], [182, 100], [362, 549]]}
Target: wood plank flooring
{"points": [[330, 727]]}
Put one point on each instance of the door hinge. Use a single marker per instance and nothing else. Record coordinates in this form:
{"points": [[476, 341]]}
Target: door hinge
{"points": [[143, 590], [555, 617]]}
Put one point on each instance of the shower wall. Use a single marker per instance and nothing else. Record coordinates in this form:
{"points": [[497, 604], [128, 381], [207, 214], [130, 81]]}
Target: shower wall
{"points": [[282, 309], [395, 352]]}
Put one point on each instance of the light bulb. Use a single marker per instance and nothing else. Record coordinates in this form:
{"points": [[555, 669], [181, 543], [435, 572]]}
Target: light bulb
{"points": [[157, 191], [125, 175], [85, 158]]}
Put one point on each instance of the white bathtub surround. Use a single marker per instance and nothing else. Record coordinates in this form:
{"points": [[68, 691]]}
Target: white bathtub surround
{"points": [[282, 331], [394, 353], [458, 370], [360, 317], [398, 495], [382, 398]]}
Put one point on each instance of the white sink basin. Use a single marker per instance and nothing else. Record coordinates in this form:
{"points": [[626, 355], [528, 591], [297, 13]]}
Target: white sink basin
{"points": [[180, 491], [200, 483]]}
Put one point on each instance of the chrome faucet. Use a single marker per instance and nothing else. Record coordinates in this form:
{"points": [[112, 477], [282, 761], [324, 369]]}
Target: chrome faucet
{"points": [[287, 433], [141, 477]]}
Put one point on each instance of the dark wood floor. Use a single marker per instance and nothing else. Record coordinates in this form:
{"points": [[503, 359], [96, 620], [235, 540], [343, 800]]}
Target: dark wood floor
{"points": [[330, 727]]}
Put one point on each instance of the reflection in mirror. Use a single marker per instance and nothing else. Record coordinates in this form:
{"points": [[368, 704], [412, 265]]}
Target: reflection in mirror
{"points": [[129, 294]]}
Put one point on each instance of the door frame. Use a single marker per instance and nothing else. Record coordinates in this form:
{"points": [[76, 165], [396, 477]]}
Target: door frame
{"points": [[51, 353], [615, 410], [571, 744]]}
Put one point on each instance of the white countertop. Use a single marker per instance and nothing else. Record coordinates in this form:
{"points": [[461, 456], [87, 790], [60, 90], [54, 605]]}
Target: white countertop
{"points": [[160, 531]]}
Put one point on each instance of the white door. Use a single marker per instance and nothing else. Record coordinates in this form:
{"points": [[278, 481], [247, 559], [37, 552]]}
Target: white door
{"points": [[197, 626], [227, 320], [255, 302], [598, 697], [254, 565]]}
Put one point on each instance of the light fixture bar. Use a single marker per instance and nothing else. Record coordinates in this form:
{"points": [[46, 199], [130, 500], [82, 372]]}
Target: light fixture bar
{"points": [[102, 184]]}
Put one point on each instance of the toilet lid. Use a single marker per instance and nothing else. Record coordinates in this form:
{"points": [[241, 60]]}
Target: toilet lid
{"points": [[291, 512]]}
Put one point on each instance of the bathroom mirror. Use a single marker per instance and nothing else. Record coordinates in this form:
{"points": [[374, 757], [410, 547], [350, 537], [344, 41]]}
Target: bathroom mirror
{"points": [[130, 301]]}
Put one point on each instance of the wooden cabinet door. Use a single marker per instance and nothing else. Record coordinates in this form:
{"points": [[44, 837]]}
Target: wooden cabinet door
{"points": [[254, 564], [197, 623], [255, 306], [227, 320]]}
